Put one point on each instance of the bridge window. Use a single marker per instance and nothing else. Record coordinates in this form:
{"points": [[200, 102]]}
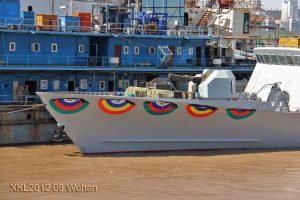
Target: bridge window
{"points": [[258, 59], [81, 48], [282, 59], [261, 58], [44, 84], [12, 46], [101, 85], [126, 49], [297, 60], [54, 48], [151, 50], [136, 50], [35, 47], [274, 59], [179, 51], [267, 59], [290, 60]]}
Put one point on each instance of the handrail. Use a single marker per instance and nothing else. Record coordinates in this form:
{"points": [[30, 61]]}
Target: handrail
{"points": [[116, 28], [116, 62]]}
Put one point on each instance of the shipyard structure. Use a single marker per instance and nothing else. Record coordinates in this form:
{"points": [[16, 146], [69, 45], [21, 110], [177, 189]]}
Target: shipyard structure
{"points": [[111, 45]]}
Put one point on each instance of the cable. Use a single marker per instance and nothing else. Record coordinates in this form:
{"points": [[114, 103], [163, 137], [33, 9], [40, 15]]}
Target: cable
{"points": [[22, 110]]}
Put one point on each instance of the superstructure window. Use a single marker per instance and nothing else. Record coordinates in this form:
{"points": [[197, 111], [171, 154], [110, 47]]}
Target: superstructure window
{"points": [[102, 85], [83, 84], [126, 49], [275, 60], [290, 60], [56, 85], [12, 46], [191, 51], [267, 59], [179, 51], [35, 47], [282, 59], [136, 50], [44, 84], [54, 48], [297, 60], [126, 84], [120, 84], [152, 50], [81, 48]]}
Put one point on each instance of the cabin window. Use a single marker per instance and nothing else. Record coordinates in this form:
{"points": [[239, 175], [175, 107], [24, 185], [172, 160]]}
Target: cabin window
{"points": [[191, 51], [83, 84], [282, 59], [126, 84], [179, 51], [35, 47], [56, 85], [275, 60], [290, 60], [120, 84], [101, 85], [54, 48], [267, 59], [297, 60], [135, 82], [151, 50], [44, 84], [81, 48], [136, 50], [126, 49], [12, 46]]}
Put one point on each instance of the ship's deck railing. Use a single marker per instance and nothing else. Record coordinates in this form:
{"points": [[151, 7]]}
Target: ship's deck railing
{"points": [[113, 28], [91, 93], [177, 95], [116, 62], [276, 45], [20, 99]]}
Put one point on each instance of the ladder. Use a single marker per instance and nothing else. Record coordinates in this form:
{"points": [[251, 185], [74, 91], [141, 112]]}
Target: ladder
{"points": [[204, 19]]}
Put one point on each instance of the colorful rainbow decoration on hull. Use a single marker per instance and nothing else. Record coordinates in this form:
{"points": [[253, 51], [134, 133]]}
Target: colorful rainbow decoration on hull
{"points": [[68, 106], [200, 110], [240, 113], [159, 107], [115, 107]]}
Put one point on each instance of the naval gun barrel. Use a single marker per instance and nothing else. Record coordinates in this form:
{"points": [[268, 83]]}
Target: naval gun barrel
{"points": [[185, 78]]}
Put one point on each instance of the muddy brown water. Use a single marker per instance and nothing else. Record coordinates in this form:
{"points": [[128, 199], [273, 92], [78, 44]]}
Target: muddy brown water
{"points": [[220, 174]]}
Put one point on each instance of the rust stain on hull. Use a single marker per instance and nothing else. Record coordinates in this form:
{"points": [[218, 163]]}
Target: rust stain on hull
{"points": [[35, 125]]}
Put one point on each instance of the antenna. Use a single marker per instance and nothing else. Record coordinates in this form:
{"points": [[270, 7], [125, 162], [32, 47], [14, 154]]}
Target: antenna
{"points": [[71, 7], [52, 7]]}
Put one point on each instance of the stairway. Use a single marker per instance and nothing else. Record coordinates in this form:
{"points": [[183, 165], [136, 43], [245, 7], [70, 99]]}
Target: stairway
{"points": [[204, 19]]}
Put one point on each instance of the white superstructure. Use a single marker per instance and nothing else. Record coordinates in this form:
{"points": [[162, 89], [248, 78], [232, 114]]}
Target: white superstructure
{"points": [[277, 65]]}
